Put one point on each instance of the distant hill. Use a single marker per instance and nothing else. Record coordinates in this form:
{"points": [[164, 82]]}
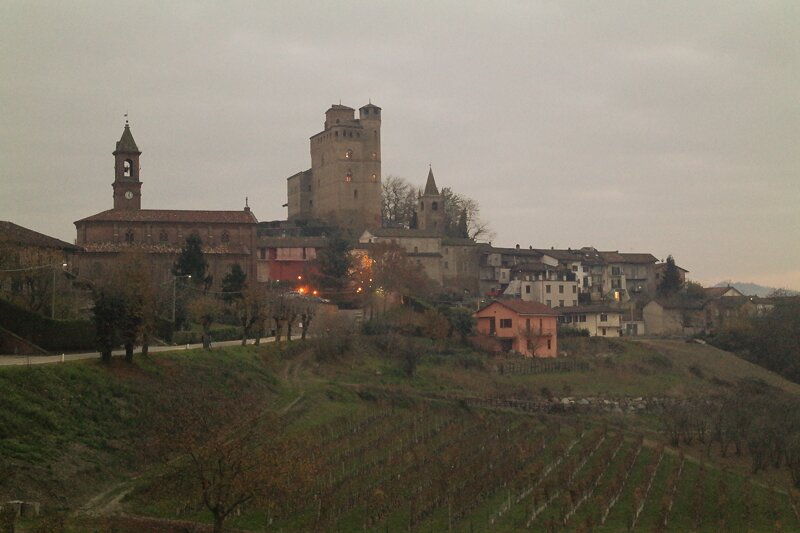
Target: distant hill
{"points": [[753, 289]]}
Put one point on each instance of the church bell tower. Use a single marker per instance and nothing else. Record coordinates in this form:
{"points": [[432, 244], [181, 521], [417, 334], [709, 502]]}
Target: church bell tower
{"points": [[127, 187]]}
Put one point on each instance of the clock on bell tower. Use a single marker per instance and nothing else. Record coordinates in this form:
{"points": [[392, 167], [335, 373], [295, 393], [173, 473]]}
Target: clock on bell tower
{"points": [[127, 187]]}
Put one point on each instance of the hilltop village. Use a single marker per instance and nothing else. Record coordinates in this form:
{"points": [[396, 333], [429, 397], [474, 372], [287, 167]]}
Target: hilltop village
{"points": [[605, 292]]}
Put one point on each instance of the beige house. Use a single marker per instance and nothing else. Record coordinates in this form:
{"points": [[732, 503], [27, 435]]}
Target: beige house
{"points": [[540, 282], [422, 246], [598, 320]]}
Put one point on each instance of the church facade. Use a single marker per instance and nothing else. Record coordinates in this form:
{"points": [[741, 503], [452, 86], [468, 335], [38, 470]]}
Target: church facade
{"points": [[228, 236]]}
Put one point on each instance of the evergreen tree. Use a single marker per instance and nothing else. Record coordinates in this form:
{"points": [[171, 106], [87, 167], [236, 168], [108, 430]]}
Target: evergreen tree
{"points": [[191, 262], [671, 281], [334, 262], [463, 229], [234, 283]]}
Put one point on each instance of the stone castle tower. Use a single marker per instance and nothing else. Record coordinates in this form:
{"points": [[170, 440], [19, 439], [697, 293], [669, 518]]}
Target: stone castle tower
{"points": [[127, 187], [430, 207], [343, 185]]}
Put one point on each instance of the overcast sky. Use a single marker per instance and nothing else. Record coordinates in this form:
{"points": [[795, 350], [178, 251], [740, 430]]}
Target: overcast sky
{"points": [[663, 127]]}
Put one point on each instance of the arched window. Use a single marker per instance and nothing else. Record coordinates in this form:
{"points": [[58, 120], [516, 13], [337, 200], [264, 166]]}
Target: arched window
{"points": [[348, 154], [163, 236], [226, 237], [355, 194], [374, 178], [127, 168], [435, 206], [374, 156], [348, 177], [129, 236], [422, 206]]}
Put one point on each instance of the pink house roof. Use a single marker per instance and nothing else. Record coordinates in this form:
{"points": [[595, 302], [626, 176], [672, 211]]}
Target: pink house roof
{"points": [[522, 308]]}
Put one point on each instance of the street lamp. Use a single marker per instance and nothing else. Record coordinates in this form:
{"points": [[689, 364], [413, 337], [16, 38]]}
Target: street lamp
{"points": [[174, 282], [53, 302]]}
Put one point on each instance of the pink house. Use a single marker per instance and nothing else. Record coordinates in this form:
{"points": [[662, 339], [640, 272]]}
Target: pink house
{"points": [[528, 328]]}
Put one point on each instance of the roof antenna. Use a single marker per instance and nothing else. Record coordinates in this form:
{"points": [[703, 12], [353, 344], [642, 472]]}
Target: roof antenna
{"points": [[246, 204]]}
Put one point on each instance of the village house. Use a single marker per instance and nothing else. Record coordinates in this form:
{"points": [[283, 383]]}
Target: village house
{"points": [[512, 325], [598, 319], [681, 315], [540, 282]]}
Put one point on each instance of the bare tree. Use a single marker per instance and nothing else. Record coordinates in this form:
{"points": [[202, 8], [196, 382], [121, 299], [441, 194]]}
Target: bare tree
{"points": [[462, 217], [204, 310], [398, 202]]}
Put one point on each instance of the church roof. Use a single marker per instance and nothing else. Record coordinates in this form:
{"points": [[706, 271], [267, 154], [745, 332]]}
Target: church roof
{"points": [[163, 248], [173, 216], [126, 144], [430, 185], [15, 234], [401, 233]]}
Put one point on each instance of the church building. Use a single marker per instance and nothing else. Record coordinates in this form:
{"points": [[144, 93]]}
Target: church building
{"points": [[228, 236]]}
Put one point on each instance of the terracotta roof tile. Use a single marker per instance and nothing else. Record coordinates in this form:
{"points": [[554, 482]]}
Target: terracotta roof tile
{"points": [[523, 308], [15, 234], [172, 216]]}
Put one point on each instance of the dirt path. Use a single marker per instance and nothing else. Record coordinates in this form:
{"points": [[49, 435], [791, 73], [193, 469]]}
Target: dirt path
{"points": [[109, 501]]}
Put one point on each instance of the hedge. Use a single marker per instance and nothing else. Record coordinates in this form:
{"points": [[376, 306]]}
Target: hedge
{"points": [[52, 335]]}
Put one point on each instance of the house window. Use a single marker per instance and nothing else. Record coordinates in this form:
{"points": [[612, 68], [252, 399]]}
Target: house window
{"points": [[583, 318], [603, 331], [561, 289], [561, 303], [547, 289], [355, 194], [549, 303], [348, 177], [549, 346], [163, 236], [615, 271], [374, 178], [262, 253], [574, 268], [374, 156], [505, 322], [129, 236], [445, 265], [422, 206], [226, 237], [603, 317], [574, 289], [435, 206], [574, 302], [527, 289], [348, 154]]}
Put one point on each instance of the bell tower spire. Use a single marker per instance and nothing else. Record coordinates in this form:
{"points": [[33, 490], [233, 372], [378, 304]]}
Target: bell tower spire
{"points": [[127, 187]]}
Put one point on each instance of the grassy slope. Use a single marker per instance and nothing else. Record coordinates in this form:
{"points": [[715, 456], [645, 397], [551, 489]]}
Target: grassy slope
{"points": [[70, 429]]}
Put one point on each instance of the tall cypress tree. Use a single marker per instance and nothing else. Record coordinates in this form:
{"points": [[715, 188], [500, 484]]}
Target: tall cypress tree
{"points": [[671, 281], [191, 262]]}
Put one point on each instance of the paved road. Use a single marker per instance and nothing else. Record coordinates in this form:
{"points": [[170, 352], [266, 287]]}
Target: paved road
{"points": [[10, 360]]}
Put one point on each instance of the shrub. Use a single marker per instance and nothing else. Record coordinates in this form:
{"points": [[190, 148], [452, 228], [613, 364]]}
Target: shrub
{"points": [[52, 335]]}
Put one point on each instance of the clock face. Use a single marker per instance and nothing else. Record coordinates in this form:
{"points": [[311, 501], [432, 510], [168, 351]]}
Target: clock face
{"points": [[128, 195]]}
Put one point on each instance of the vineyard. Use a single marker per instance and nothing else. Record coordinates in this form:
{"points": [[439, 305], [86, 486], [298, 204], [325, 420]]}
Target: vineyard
{"points": [[440, 468]]}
